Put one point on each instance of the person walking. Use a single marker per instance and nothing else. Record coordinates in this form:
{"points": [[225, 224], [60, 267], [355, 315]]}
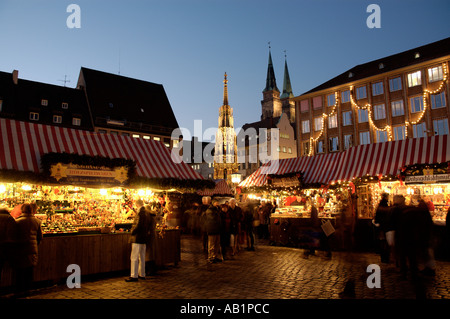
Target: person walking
{"points": [[425, 240], [236, 217], [29, 236], [8, 234], [250, 216], [382, 216], [139, 238], [212, 229], [206, 202], [225, 230]]}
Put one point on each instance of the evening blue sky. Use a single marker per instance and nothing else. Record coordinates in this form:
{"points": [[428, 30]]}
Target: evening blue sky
{"points": [[188, 45]]}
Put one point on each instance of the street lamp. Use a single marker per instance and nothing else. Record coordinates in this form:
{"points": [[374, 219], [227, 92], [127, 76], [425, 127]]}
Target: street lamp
{"points": [[236, 178]]}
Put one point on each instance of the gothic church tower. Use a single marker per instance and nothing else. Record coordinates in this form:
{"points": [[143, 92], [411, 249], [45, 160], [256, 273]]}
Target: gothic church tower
{"points": [[225, 152]]}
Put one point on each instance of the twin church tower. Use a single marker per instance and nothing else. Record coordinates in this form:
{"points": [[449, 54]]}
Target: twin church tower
{"points": [[273, 105]]}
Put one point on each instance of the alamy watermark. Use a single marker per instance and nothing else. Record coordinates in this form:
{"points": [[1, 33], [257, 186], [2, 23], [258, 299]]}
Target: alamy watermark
{"points": [[374, 19], [74, 19]]}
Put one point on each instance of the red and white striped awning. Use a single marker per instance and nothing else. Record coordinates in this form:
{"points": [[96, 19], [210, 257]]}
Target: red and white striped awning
{"points": [[221, 188], [389, 157], [22, 144], [371, 159]]}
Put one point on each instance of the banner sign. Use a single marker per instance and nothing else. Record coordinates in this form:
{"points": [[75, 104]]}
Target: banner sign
{"points": [[428, 178], [88, 175], [285, 181]]}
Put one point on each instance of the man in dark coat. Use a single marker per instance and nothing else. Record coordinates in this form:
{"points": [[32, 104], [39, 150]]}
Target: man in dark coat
{"points": [[139, 238], [236, 218], [212, 228]]}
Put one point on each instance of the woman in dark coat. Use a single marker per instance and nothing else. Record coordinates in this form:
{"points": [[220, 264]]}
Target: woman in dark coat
{"points": [[29, 236]]}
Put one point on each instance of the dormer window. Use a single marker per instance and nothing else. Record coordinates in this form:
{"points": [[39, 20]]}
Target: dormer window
{"points": [[65, 105], [111, 105], [381, 66], [142, 110], [350, 74], [44, 102], [417, 55]]}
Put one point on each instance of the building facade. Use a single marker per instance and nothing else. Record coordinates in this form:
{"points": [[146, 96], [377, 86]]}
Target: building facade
{"points": [[397, 97], [225, 151]]}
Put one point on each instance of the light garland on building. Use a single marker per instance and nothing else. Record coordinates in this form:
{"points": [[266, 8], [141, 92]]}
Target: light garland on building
{"points": [[368, 107]]}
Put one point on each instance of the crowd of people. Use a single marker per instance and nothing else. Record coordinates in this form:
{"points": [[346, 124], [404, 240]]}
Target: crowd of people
{"points": [[405, 234], [228, 227]]}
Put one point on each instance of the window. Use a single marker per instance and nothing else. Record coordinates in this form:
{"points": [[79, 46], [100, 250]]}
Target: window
{"points": [[65, 105], [416, 104], [125, 134], [304, 106], [435, 74], [399, 133], [1, 105], [347, 118], [363, 115], [437, 100], [289, 150], [348, 141], [305, 126], [333, 144], [364, 137], [319, 146], [361, 93], [284, 149], [332, 121], [440, 127], [44, 102], [77, 122], [34, 116], [57, 119], [382, 136], [102, 131], [331, 100], [318, 123], [146, 137], [419, 130], [377, 88], [397, 108], [415, 78], [379, 112], [317, 102], [395, 84], [136, 135], [345, 96], [156, 138]]}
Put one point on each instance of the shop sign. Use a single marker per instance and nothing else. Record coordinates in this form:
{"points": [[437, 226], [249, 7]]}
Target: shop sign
{"points": [[285, 181], [428, 178], [88, 175]]}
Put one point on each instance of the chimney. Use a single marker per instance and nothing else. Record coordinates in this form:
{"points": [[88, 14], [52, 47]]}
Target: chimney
{"points": [[15, 76]]}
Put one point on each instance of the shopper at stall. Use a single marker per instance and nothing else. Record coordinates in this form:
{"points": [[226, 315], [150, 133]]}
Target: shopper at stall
{"points": [[425, 240], [150, 248], [250, 215], [8, 233], [236, 229], [29, 236], [212, 228], [139, 238], [206, 202]]}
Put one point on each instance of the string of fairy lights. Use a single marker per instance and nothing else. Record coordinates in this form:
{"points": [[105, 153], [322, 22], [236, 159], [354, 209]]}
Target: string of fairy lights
{"points": [[368, 107]]}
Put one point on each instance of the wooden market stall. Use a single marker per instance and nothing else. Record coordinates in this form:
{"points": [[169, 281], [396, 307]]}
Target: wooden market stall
{"points": [[85, 185]]}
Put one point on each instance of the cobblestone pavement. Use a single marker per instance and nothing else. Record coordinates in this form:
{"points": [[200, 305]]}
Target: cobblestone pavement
{"points": [[269, 272]]}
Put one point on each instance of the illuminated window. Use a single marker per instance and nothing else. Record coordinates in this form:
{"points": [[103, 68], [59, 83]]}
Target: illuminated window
{"points": [[319, 148], [146, 137], [156, 138], [136, 135], [44, 102], [318, 123], [435, 74], [289, 150], [305, 126], [348, 141], [304, 106], [305, 148], [332, 121], [333, 144], [379, 112], [415, 78], [397, 108], [65, 105]]}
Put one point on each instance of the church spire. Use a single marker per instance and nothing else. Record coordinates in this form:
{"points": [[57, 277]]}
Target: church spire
{"points": [[287, 88], [225, 90], [271, 83]]}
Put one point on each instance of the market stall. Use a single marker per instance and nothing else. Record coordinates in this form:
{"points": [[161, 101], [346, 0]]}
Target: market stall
{"points": [[85, 185]]}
